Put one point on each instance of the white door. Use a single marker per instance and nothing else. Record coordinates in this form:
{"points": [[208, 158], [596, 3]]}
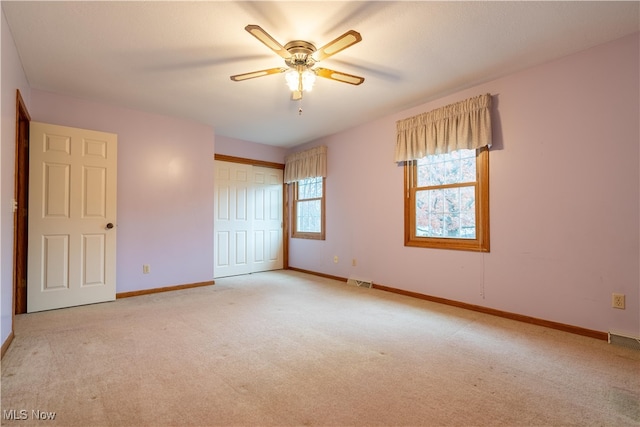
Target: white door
{"points": [[72, 217], [267, 219], [232, 227], [248, 219]]}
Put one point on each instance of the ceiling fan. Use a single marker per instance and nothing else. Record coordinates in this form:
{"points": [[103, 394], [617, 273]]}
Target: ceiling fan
{"points": [[300, 58]]}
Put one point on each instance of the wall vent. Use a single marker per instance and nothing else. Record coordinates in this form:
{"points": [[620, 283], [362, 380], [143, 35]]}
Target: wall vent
{"points": [[624, 340], [361, 283]]}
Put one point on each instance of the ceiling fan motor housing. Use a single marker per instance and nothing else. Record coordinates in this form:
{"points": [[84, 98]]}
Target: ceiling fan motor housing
{"points": [[301, 52]]}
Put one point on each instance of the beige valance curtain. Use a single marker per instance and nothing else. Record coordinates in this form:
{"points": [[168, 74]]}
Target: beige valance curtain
{"points": [[306, 164], [463, 125]]}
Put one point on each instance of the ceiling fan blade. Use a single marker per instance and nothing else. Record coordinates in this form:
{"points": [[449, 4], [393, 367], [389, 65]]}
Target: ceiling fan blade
{"points": [[254, 74], [349, 38], [257, 32], [339, 76]]}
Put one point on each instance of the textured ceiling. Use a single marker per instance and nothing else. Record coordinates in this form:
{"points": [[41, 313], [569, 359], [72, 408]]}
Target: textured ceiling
{"points": [[176, 57]]}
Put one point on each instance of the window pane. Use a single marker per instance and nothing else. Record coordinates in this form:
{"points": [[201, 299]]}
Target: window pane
{"points": [[448, 198], [430, 173], [310, 188], [309, 216], [446, 213], [449, 168], [468, 168]]}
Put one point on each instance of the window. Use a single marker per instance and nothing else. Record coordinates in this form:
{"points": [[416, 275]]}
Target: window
{"points": [[308, 208], [447, 201]]}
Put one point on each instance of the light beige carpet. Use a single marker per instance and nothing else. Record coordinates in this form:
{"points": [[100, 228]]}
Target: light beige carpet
{"points": [[286, 349]]}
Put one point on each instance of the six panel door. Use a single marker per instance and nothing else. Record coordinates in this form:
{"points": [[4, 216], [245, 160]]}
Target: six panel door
{"points": [[72, 217]]}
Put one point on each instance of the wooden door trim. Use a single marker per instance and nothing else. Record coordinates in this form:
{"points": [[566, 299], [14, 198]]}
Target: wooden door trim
{"points": [[20, 216], [252, 162]]}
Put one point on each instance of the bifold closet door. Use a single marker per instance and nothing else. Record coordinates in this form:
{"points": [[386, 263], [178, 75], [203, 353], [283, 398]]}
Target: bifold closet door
{"points": [[248, 219]]}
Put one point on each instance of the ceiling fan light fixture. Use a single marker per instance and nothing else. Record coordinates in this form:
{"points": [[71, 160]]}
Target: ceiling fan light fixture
{"points": [[292, 78], [308, 80], [300, 80]]}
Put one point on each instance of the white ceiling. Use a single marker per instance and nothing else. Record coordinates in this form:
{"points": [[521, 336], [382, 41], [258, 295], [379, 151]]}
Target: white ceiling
{"points": [[175, 57]]}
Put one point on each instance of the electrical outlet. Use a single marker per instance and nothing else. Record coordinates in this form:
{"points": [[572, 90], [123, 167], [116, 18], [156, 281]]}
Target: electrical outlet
{"points": [[617, 301], [146, 269], [354, 262], [335, 259]]}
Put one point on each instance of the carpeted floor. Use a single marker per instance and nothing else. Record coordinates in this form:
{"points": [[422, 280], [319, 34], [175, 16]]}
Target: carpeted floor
{"points": [[284, 348]]}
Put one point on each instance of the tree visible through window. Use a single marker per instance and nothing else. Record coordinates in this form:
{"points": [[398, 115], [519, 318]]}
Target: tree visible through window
{"points": [[447, 201], [308, 208]]}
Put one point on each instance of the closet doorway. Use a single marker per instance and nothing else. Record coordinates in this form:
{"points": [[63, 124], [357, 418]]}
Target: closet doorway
{"points": [[249, 225]]}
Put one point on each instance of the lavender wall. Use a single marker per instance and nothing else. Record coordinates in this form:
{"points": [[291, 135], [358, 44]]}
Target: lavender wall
{"points": [[165, 189], [13, 78], [249, 150], [564, 199]]}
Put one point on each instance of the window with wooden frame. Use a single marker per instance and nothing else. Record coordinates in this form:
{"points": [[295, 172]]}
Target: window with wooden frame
{"points": [[447, 201], [308, 211]]}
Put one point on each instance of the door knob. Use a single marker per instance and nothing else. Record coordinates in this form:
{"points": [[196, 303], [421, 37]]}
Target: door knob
{"points": [[109, 226]]}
